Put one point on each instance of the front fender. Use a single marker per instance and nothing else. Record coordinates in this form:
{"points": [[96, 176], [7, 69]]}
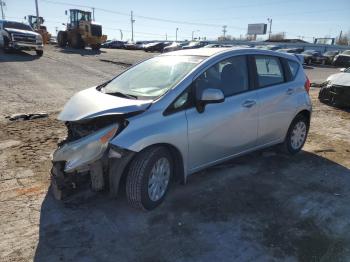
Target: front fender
{"points": [[153, 128]]}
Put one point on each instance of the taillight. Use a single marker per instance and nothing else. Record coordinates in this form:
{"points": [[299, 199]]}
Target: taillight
{"points": [[307, 85]]}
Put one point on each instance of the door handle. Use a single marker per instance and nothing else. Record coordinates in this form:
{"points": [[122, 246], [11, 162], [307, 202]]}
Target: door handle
{"points": [[249, 103], [290, 91]]}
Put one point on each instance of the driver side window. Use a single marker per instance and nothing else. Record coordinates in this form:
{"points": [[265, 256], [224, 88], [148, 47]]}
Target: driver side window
{"points": [[229, 75]]}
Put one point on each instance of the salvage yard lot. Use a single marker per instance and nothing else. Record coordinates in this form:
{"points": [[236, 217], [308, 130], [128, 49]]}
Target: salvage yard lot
{"points": [[261, 207]]}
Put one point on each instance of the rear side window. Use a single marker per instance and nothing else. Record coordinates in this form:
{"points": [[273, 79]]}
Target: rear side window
{"points": [[269, 70], [293, 67]]}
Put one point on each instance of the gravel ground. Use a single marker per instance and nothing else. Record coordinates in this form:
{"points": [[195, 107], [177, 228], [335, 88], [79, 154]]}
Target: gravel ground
{"points": [[261, 207]]}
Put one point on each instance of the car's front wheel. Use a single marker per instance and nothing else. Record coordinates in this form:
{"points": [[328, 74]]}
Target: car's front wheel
{"points": [[39, 52], [149, 177], [297, 134]]}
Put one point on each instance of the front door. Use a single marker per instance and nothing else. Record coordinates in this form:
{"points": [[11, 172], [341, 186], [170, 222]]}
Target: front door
{"points": [[226, 128]]}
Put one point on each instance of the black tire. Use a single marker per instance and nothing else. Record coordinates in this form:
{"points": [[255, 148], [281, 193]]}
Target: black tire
{"points": [[321, 95], [287, 145], [77, 42], [139, 175], [62, 39], [96, 47], [7, 49], [39, 52]]}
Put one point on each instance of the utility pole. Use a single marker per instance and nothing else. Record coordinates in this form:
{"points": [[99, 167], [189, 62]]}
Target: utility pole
{"points": [[340, 35], [193, 34], [37, 15], [224, 31], [132, 26], [270, 21], [2, 3], [93, 13], [121, 34], [177, 29], [166, 37]]}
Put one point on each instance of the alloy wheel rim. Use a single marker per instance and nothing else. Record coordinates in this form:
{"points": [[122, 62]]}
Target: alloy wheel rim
{"points": [[159, 179], [298, 135]]}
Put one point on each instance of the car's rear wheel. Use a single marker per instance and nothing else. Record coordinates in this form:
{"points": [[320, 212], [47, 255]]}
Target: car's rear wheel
{"points": [[149, 177], [296, 135]]}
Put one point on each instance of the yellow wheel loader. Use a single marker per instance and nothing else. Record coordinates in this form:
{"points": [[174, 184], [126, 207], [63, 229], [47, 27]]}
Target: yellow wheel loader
{"points": [[81, 31], [41, 29]]}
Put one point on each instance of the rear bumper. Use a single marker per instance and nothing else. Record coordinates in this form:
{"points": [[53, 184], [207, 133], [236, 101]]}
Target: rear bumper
{"points": [[25, 46]]}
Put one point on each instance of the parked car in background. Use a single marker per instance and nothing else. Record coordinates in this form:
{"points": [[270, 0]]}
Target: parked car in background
{"points": [[269, 47], [330, 56], [336, 89], [312, 56], [176, 114], [216, 45], [342, 59], [19, 36], [113, 44], [155, 47], [195, 44], [53, 40], [134, 46], [174, 46], [291, 50]]}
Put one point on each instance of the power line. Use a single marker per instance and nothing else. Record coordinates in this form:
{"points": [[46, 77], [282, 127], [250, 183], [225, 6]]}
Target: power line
{"points": [[142, 16]]}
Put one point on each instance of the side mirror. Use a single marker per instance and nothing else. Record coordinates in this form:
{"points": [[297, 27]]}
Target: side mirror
{"points": [[342, 69], [209, 96], [212, 95]]}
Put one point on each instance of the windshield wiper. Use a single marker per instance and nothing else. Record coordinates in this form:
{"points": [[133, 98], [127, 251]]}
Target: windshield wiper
{"points": [[122, 95]]}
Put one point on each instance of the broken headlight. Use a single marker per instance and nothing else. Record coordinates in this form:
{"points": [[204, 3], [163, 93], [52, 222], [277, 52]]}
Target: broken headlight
{"points": [[85, 150]]}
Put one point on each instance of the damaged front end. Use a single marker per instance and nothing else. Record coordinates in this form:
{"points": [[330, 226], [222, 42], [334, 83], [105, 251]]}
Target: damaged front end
{"points": [[85, 157]]}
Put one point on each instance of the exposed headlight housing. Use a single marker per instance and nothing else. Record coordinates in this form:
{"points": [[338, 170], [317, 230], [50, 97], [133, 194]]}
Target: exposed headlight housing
{"points": [[86, 150]]}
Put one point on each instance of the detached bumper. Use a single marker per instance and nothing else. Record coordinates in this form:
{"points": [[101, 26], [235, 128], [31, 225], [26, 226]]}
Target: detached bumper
{"points": [[25, 46]]}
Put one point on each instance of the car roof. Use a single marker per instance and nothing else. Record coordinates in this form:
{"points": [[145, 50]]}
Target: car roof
{"points": [[200, 51], [210, 52]]}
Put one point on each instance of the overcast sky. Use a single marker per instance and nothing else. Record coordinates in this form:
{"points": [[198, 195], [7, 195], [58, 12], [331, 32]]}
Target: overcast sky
{"points": [[155, 18]]}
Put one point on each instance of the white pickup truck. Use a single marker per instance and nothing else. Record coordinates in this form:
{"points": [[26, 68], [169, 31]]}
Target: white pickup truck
{"points": [[19, 36]]}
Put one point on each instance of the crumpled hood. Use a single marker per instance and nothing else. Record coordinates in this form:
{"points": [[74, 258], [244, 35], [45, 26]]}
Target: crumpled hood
{"points": [[91, 103], [13, 30], [342, 79]]}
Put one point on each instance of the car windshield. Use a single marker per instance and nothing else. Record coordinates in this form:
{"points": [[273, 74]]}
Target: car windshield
{"points": [[17, 25], [347, 52], [331, 53], [309, 52], [152, 78]]}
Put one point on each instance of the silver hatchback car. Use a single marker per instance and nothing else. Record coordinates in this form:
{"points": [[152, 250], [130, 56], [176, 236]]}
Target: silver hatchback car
{"points": [[175, 114]]}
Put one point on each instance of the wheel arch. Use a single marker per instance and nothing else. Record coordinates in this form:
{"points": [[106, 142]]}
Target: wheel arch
{"points": [[177, 157], [179, 172], [306, 113]]}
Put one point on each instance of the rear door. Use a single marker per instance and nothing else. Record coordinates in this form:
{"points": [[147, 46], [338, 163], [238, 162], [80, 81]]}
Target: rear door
{"points": [[277, 99], [226, 128]]}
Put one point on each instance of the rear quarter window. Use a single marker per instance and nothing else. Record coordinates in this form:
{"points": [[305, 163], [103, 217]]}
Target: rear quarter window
{"points": [[293, 67], [269, 70]]}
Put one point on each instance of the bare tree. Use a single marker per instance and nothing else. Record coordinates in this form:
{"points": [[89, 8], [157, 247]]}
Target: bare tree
{"points": [[343, 39], [277, 37]]}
